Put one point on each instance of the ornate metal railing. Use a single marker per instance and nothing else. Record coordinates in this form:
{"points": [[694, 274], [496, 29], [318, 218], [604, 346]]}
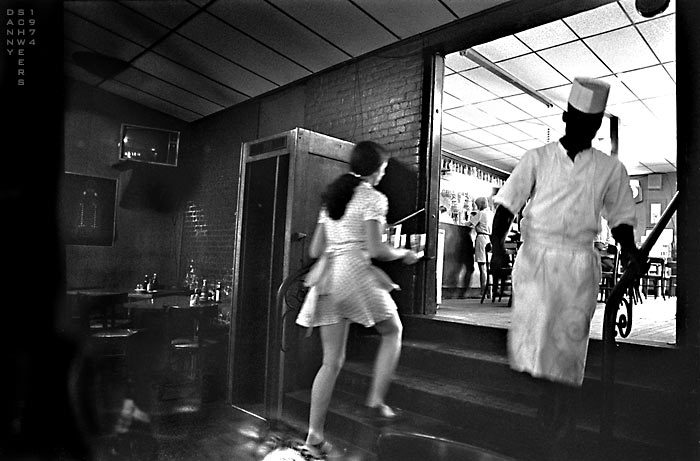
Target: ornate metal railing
{"points": [[290, 297], [622, 295]]}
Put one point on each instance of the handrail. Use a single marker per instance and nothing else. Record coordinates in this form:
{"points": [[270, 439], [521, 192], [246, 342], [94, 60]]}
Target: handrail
{"points": [[616, 298], [282, 302]]}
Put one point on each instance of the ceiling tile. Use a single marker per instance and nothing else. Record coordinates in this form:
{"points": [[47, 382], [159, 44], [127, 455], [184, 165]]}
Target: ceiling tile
{"points": [[574, 60], [170, 13], [460, 141], [491, 82], [80, 74], [510, 149], [534, 71], [661, 35], [650, 82], [483, 137], [269, 26], [534, 128], [671, 69], [484, 153], [547, 35], [97, 39], [340, 22], [155, 87], [250, 54], [503, 48], [555, 123], [450, 102], [665, 115], [619, 93], [502, 110], [636, 169], [598, 20], [558, 95], [664, 109], [529, 144], [456, 124], [464, 9], [633, 114], [171, 71], [504, 164], [148, 100], [425, 15], [634, 55], [213, 66], [466, 90], [506, 132], [631, 9], [474, 116], [661, 167], [120, 20], [531, 106], [458, 63]]}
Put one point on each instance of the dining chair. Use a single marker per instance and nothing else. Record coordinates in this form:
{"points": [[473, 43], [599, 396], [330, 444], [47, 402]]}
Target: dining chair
{"points": [[655, 278], [610, 273], [498, 286]]}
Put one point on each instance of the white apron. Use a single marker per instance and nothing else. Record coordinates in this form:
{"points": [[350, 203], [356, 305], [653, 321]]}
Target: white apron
{"points": [[557, 270]]}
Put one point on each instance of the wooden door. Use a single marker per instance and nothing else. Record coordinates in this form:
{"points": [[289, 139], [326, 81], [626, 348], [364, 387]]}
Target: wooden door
{"points": [[282, 178]]}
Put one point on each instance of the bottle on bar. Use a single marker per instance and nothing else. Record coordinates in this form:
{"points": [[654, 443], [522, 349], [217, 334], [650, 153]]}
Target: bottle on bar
{"points": [[217, 292]]}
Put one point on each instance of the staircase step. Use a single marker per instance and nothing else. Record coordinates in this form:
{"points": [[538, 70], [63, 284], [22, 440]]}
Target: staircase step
{"points": [[504, 409], [347, 419]]}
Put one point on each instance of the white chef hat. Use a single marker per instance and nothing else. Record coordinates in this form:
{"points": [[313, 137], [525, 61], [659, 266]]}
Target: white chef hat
{"points": [[589, 95]]}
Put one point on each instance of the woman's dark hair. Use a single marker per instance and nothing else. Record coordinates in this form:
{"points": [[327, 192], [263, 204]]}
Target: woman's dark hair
{"points": [[365, 159]]}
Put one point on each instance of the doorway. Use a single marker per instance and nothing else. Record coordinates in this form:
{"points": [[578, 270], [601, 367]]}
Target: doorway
{"points": [[506, 96]]}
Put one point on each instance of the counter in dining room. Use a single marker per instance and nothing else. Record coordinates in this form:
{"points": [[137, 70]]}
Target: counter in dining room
{"points": [[458, 261]]}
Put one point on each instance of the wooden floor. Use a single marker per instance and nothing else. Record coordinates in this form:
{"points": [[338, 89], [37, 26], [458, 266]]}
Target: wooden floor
{"points": [[653, 321]]}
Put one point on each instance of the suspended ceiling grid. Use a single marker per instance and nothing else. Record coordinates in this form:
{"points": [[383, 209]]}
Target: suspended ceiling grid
{"points": [[193, 58]]}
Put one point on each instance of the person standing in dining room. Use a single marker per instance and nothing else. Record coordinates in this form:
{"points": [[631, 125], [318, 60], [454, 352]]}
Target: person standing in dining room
{"points": [[347, 288], [481, 220], [564, 186]]}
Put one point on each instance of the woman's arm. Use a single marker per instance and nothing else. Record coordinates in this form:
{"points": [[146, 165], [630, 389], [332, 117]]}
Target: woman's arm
{"points": [[382, 250], [318, 241]]}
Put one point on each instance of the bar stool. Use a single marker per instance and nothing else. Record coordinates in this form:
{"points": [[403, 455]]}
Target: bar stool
{"points": [[100, 374], [183, 342]]}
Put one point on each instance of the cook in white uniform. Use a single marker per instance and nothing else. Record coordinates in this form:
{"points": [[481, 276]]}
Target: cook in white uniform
{"points": [[565, 187]]}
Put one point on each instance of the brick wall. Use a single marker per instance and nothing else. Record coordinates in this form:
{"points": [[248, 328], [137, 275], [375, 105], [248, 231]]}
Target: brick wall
{"points": [[377, 98]]}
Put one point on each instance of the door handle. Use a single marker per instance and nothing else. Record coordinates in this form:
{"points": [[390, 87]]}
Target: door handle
{"points": [[298, 236]]}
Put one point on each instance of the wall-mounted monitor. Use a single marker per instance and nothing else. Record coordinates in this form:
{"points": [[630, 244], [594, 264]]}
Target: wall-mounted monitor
{"points": [[150, 145]]}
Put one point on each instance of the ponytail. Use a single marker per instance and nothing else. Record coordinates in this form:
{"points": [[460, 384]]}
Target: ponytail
{"points": [[338, 193], [365, 159]]}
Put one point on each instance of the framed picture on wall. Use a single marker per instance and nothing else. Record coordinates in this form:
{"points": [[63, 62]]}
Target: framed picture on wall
{"points": [[87, 207]]}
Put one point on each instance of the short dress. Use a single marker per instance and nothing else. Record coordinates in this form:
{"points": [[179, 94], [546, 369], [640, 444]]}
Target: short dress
{"points": [[353, 289]]}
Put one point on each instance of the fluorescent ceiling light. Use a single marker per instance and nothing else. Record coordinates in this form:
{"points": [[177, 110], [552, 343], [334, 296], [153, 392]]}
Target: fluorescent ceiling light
{"points": [[505, 75]]}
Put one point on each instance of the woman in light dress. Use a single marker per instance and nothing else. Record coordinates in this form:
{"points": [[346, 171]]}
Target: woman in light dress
{"points": [[349, 289]]}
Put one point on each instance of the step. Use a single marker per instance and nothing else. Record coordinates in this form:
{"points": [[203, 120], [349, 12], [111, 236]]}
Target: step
{"points": [[509, 413], [347, 419], [647, 406]]}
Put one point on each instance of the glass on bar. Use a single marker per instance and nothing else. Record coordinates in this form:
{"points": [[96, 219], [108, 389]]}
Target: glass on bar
{"points": [[417, 242]]}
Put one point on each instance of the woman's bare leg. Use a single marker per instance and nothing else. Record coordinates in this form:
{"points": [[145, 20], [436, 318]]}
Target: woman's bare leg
{"points": [[482, 277], [387, 359], [334, 339]]}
